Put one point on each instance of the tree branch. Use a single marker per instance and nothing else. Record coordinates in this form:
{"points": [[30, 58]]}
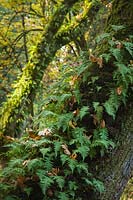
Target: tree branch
{"points": [[33, 71], [52, 40]]}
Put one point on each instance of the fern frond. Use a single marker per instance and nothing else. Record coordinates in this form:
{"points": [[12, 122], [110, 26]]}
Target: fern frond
{"points": [[129, 47], [45, 181], [83, 151], [83, 111], [57, 146], [60, 181], [45, 150], [63, 196], [82, 167], [35, 164]]}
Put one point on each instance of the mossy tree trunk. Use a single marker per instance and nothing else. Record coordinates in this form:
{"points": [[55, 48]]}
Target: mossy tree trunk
{"points": [[116, 168], [52, 40]]}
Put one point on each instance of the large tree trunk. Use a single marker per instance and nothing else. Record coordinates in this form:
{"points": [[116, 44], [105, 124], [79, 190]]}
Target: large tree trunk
{"points": [[116, 168]]}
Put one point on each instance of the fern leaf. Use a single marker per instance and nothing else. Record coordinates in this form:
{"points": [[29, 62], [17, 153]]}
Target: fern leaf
{"points": [[57, 146], [73, 185], [13, 197], [117, 28], [44, 151], [35, 164], [83, 150], [64, 120], [63, 196], [102, 37], [64, 97], [106, 57], [110, 109], [83, 111], [72, 164], [82, 167], [64, 158], [60, 181], [48, 163], [45, 181], [98, 185], [129, 47], [116, 53]]}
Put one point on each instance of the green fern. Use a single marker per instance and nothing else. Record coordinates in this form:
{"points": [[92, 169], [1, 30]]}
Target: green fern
{"points": [[35, 164], [45, 150], [45, 181], [73, 185], [129, 47], [57, 147], [63, 196], [117, 54], [72, 164], [112, 104], [98, 185], [102, 37], [48, 162], [60, 181], [83, 111], [13, 197], [83, 151], [82, 167], [64, 120], [117, 28]]}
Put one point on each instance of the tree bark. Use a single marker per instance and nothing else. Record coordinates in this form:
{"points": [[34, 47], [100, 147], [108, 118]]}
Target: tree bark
{"points": [[116, 168]]}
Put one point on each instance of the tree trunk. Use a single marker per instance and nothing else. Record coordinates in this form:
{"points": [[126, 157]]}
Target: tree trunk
{"points": [[116, 168]]}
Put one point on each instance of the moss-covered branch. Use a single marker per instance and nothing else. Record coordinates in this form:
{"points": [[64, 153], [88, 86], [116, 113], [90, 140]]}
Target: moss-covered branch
{"points": [[53, 39]]}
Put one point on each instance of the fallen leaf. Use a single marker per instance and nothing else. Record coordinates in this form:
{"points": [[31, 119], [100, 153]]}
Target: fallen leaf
{"points": [[119, 45], [92, 58], [76, 112], [100, 62], [54, 171], [20, 181], [119, 90], [50, 193], [65, 148], [73, 156], [95, 120], [45, 132], [102, 124]]}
